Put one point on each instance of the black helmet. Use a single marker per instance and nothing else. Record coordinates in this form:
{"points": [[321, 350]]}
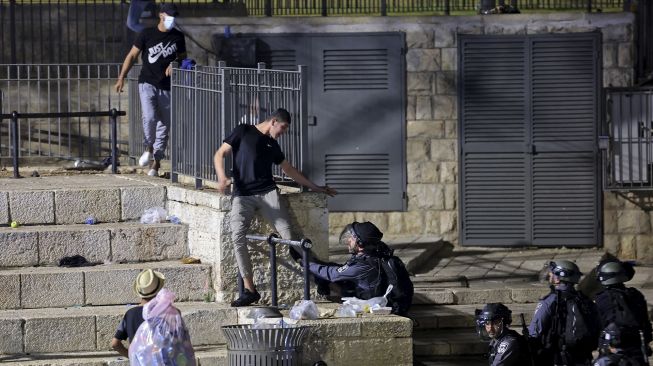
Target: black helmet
{"points": [[489, 313], [617, 335], [612, 273], [566, 271]]}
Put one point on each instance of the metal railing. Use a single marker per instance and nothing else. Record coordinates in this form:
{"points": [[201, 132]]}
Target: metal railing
{"points": [[626, 140], [15, 128], [91, 31], [208, 102], [273, 240], [64, 101]]}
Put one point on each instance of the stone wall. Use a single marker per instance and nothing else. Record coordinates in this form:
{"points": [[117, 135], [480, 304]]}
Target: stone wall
{"points": [[432, 113], [209, 238]]}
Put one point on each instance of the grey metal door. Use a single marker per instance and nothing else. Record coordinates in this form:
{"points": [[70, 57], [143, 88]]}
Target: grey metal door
{"points": [[528, 131], [356, 133]]}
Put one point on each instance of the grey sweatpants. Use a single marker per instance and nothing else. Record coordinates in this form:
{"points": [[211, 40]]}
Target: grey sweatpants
{"points": [[155, 104], [243, 209]]}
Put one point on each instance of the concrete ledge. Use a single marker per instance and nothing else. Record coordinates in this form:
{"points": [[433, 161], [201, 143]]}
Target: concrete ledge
{"points": [[118, 242], [385, 339], [205, 356], [32, 207], [74, 206], [44, 287], [449, 342]]}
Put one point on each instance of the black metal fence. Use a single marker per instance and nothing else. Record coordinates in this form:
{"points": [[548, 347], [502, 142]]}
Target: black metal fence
{"points": [[644, 41], [626, 140], [95, 31]]}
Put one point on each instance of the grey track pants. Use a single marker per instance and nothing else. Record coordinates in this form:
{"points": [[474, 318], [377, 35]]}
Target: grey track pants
{"points": [[243, 209], [155, 104]]}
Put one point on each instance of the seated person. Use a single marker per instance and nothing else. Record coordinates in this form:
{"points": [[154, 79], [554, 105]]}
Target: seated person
{"points": [[148, 283]]}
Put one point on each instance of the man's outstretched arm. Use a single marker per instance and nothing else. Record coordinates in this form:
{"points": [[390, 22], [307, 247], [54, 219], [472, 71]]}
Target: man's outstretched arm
{"points": [[298, 177]]}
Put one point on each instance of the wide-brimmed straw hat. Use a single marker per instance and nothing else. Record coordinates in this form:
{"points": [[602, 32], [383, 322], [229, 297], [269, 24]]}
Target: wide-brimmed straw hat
{"points": [[148, 283]]}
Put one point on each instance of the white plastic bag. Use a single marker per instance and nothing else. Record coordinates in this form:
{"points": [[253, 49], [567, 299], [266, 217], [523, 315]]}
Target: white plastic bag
{"points": [[162, 339], [365, 306], [304, 309], [154, 215], [346, 311]]}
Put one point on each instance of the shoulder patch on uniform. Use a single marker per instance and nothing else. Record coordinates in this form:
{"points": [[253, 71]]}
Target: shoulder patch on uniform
{"points": [[503, 346], [343, 268]]}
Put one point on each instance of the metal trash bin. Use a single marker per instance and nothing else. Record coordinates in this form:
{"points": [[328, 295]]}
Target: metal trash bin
{"points": [[270, 346]]}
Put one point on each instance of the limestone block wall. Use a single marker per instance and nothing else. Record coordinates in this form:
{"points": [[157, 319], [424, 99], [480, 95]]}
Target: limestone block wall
{"points": [[209, 238], [432, 111]]}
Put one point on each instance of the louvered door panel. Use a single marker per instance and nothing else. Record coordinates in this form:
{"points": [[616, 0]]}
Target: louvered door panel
{"points": [[565, 122], [360, 69], [494, 185], [358, 173], [528, 124], [279, 59], [494, 199]]}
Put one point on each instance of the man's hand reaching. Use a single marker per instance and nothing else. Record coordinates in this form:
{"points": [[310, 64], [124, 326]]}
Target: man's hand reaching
{"points": [[328, 190], [223, 185]]}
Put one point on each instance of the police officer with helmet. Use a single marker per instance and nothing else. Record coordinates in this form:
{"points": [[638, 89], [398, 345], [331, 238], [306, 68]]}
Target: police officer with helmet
{"points": [[613, 341], [507, 347], [623, 306], [361, 275], [548, 326]]}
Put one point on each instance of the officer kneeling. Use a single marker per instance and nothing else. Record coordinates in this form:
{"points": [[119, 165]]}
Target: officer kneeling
{"points": [[507, 347], [369, 271], [614, 342]]}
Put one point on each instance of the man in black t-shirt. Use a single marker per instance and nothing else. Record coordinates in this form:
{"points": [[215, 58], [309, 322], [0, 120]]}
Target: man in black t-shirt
{"points": [[162, 45], [148, 283], [254, 150]]}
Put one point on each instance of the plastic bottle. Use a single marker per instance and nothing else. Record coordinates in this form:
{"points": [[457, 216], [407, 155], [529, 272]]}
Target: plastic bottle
{"points": [[174, 219], [90, 220]]}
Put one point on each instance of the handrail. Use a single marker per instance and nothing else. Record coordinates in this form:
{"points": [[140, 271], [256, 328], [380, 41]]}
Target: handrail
{"points": [[272, 240], [112, 114]]}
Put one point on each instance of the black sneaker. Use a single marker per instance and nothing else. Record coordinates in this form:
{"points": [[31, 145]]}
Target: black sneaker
{"points": [[247, 298]]}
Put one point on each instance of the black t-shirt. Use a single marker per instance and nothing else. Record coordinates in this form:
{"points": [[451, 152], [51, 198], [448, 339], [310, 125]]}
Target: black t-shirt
{"points": [[129, 324], [254, 153], [158, 50]]}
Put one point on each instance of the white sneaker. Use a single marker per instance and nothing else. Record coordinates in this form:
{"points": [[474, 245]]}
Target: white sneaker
{"points": [[145, 158], [153, 173]]}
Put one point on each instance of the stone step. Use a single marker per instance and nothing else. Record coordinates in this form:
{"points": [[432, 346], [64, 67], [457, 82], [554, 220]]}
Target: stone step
{"points": [[90, 329], [116, 242], [205, 356], [527, 293], [477, 360], [429, 317], [72, 199], [47, 287], [448, 342]]}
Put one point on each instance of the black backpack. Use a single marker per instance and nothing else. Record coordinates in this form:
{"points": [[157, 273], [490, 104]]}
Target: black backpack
{"points": [[576, 324], [395, 274], [622, 311]]}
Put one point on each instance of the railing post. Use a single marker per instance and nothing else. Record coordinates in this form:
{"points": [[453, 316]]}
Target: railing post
{"points": [[268, 8], [589, 6], [447, 7], [114, 140], [384, 8], [324, 8], [12, 30], [273, 268], [306, 259], [173, 125], [14, 139]]}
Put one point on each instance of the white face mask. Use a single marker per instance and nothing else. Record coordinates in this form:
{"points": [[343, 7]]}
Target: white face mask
{"points": [[168, 22]]}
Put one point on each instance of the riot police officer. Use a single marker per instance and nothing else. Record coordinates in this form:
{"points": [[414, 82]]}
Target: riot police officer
{"points": [[361, 275], [507, 347], [549, 328], [623, 306], [614, 339]]}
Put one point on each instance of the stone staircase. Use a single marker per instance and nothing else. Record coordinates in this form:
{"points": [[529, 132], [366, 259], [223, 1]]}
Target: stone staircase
{"points": [[464, 279], [51, 315], [63, 316]]}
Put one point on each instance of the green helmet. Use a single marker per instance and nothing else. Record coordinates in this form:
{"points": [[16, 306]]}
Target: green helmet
{"points": [[612, 273], [566, 271]]}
